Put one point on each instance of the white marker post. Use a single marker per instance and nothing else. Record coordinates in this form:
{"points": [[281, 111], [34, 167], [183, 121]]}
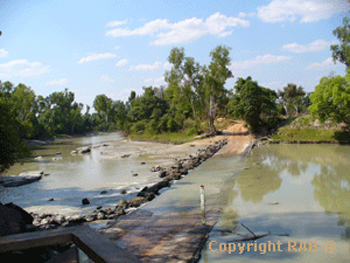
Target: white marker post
{"points": [[202, 203]]}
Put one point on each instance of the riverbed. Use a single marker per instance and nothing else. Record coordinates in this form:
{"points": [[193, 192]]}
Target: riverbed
{"points": [[297, 194]]}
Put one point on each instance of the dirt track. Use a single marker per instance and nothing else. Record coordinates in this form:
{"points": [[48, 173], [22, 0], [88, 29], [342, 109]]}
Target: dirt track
{"points": [[237, 136]]}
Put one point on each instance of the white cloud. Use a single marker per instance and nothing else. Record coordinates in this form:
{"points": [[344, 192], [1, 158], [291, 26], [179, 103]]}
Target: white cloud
{"points": [[167, 66], [122, 62], [125, 94], [315, 46], [326, 64], [3, 53], [273, 85], [183, 31], [239, 66], [308, 10], [106, 78], [155, 81], [94, 57], [156, 65], [22, 68], [59, 82], [116, 23], [117, 47]]}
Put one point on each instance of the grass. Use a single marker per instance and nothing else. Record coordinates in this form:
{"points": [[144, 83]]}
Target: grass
{"points": [[303, 129], [296, 134], [168, 137]]}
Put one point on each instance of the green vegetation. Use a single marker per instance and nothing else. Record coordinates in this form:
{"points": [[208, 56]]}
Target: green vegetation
{"points": [[194, 97], [305, 128], [252, 102]]}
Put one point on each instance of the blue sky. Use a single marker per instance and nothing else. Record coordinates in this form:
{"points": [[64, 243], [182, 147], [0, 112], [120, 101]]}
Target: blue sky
{"points": [[113, 47]]}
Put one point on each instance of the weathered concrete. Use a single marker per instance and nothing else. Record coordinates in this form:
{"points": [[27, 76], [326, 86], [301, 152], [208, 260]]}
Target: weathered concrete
{"points": [[162, 238]]}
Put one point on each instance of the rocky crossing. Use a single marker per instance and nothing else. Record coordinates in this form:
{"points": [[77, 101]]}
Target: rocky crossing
{"points": [[175, 172]]}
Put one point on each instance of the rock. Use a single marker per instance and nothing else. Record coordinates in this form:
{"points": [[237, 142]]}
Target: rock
{"points": [[123, 191], [156, 169], [163, 174], [142, 163], [13, 219], [125, 155], [84, 149], [76, 219], [58, 153], [120, 211], [85, 201], [74, 152], [38, 158], [136, 202], [101, 216], [123, 203], [99, 207], [149, 197], [57, 158], [21, 179], [103, 192], [135, 174], [51, 199], [273, 203]]}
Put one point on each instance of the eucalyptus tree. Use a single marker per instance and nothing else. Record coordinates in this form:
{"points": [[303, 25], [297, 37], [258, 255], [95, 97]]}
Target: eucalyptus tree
{"points": [[216, 75], [185, 81], [291, 96], [341, 52]]}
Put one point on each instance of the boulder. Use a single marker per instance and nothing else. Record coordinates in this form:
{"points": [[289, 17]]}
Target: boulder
{"points": [[85, 201], [163, 174], [13, 219], [123, 203], [123, 191], [103, 192], [84, 149], [136, 202]]}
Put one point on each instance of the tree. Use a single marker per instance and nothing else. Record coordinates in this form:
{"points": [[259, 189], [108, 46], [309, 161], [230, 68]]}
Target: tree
{"points": [[60, 114], [12, 148], [331, 99], [291, 96], [184, 83], [103, 105], [341, 52], [147, 111], [251, 101], [215, 78]]}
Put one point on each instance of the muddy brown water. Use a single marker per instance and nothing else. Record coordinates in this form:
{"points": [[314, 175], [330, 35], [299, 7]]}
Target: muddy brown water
{"points": [[298, 193], [111, 166]]}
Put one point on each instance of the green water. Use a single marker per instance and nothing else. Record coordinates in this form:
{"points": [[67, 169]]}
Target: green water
{"points": [[299, 193]]}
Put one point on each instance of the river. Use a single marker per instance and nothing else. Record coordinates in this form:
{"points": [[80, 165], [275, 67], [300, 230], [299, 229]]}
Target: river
{"points": [[300, 194], [111, 166]]}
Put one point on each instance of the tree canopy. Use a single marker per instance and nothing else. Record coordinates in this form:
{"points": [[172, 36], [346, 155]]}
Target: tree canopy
{"points": [[251, 101], [341, 52], [331, 99]]}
